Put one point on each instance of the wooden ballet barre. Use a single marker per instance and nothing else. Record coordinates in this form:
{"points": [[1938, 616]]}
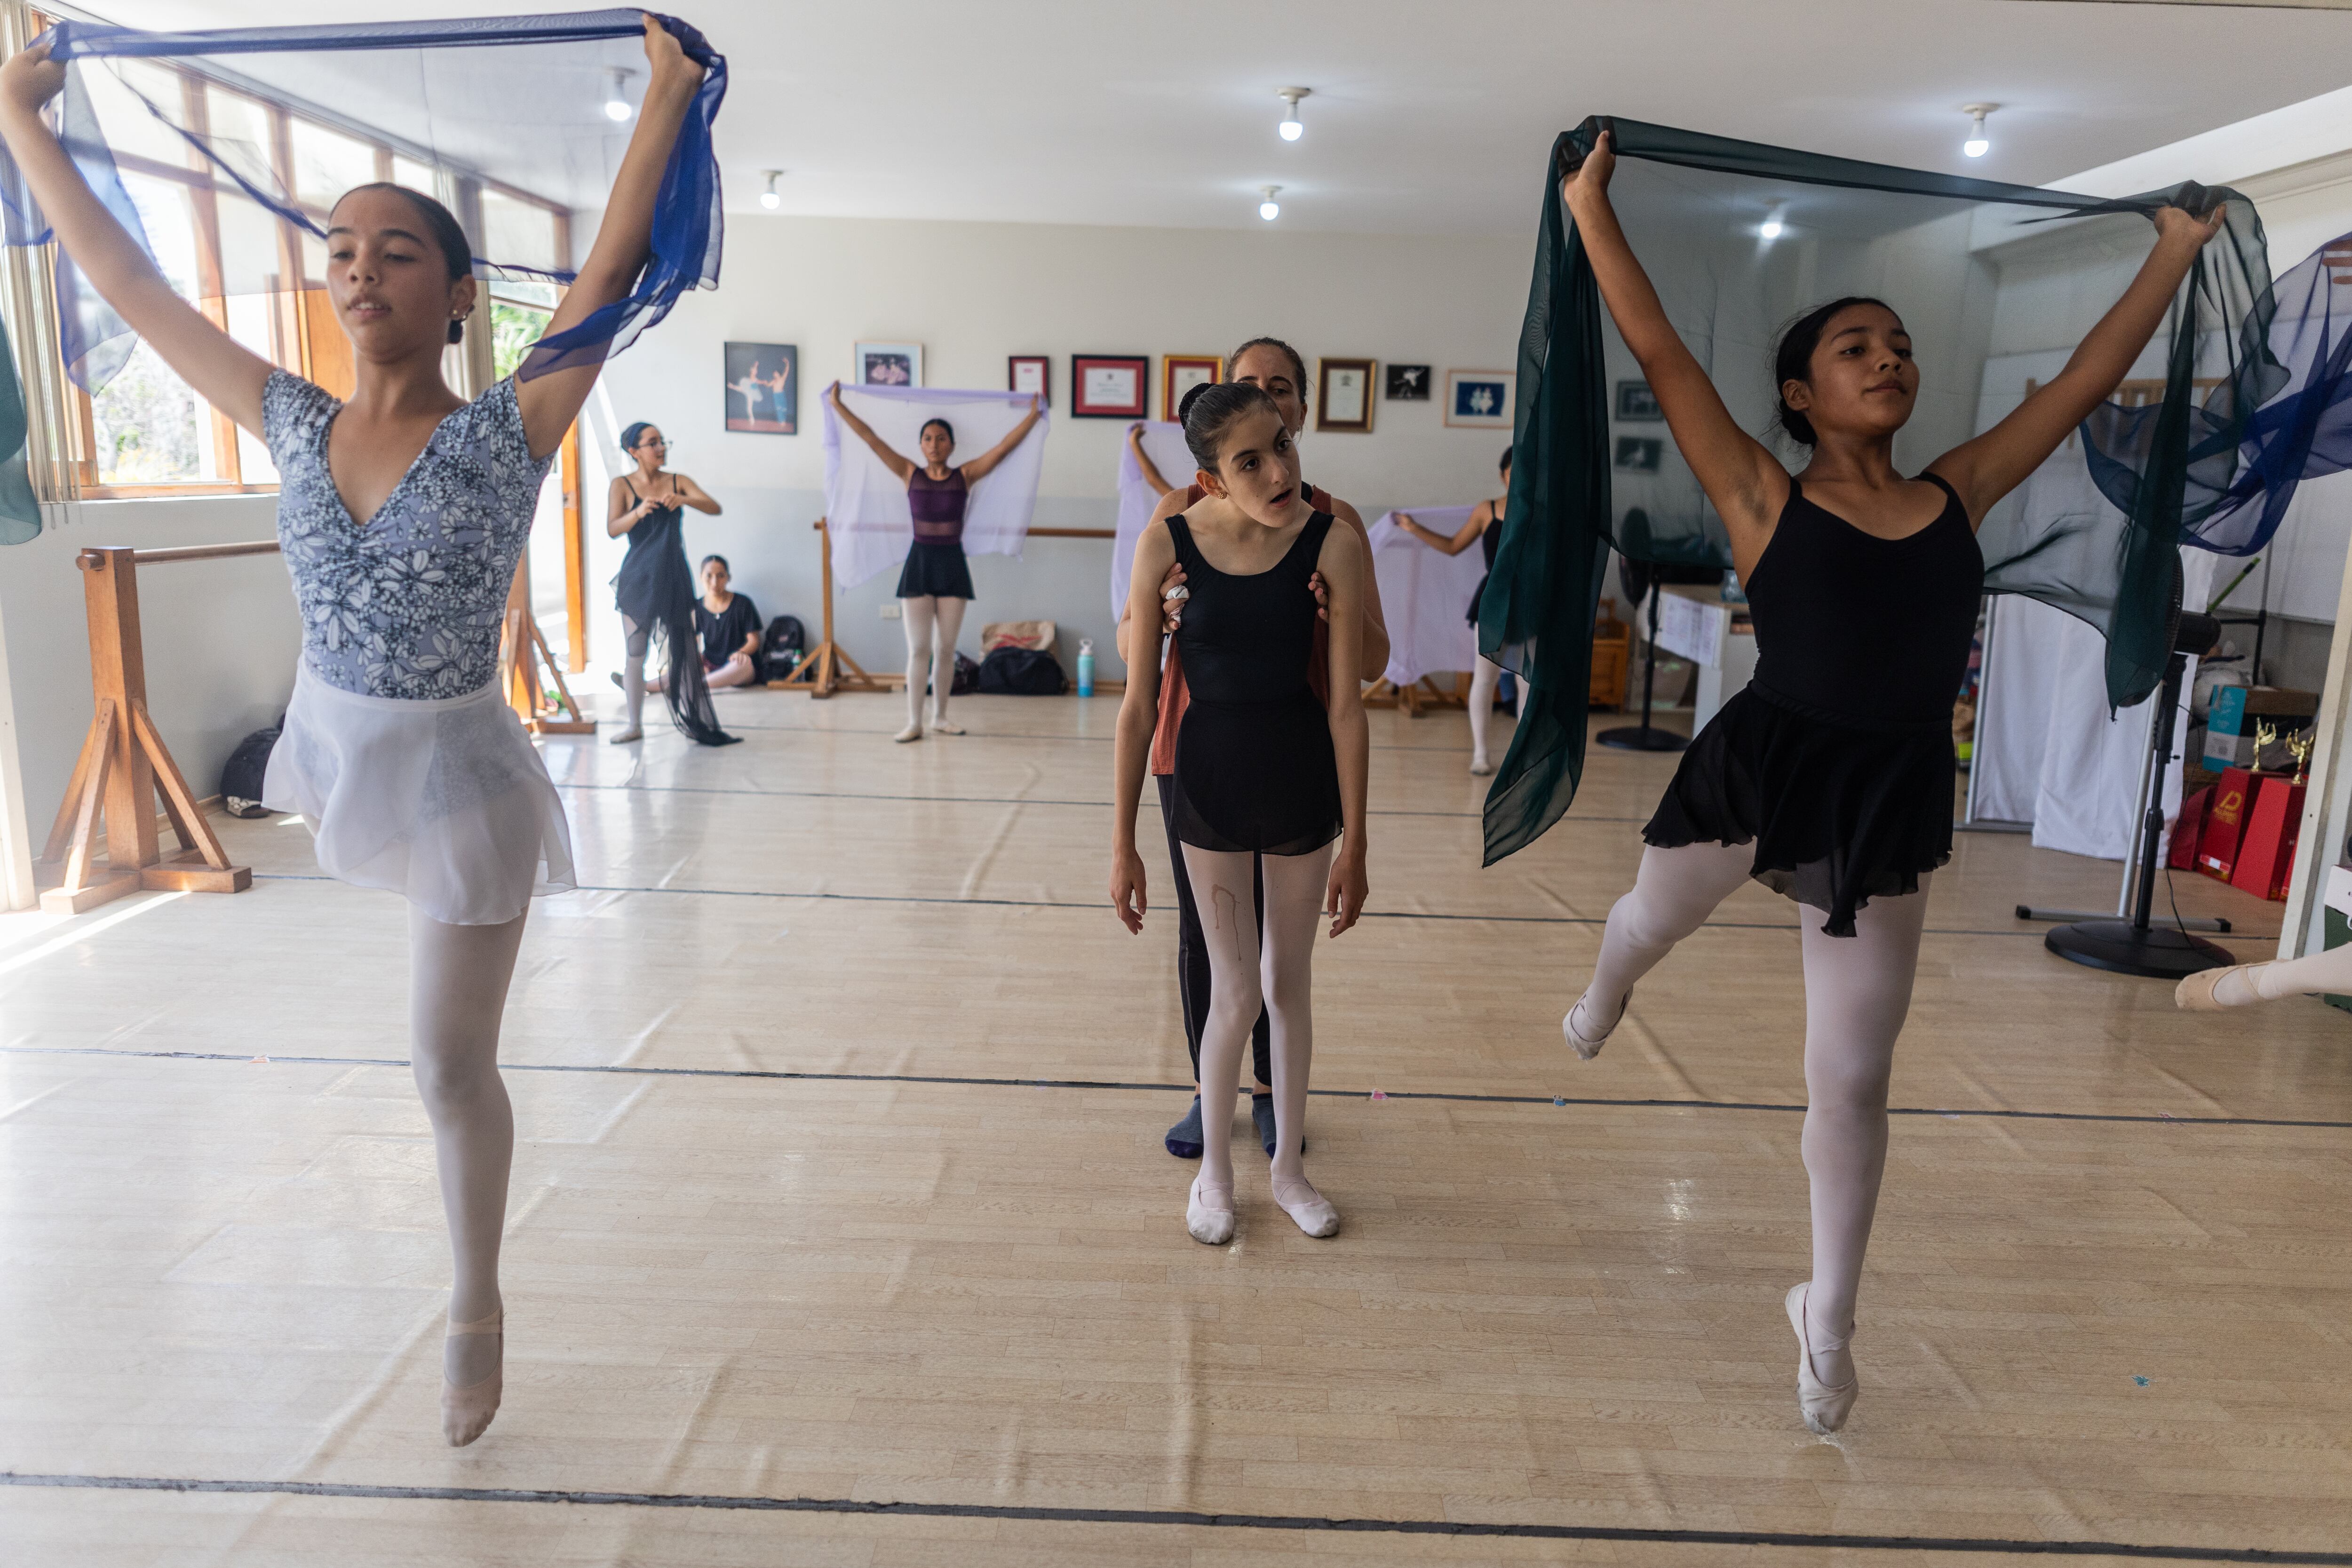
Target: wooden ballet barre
{"points": [[190, 553]]}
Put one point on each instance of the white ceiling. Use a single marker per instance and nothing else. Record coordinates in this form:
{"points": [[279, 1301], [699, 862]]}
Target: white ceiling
{"points": [[1428, 116]]}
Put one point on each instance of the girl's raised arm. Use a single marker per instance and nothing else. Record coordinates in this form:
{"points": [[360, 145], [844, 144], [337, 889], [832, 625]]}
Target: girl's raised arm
{"points": [[223, 371], [1740, 475], [1461, 540], [550, 403], [977, 469], [864, 432], [1143, 463]]}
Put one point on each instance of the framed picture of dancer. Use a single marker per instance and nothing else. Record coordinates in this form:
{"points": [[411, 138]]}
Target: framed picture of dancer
{"points": [[1479, 399], [763, 388], [1180, 373], [1408, 383], [1030, 373], [889, 364], [1110, 387], [1343, 395]]}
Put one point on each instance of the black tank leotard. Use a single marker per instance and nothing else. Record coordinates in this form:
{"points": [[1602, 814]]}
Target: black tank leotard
{"points": [[1490, 538], [1836, 762]]}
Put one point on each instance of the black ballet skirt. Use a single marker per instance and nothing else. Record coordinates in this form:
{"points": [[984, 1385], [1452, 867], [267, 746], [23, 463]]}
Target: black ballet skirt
{"points": [[1490, 538], [656, 590], [1255, 767], [1836, 762], [935, 571]]}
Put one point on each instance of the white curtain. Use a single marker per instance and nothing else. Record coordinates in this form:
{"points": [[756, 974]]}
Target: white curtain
{"points": [[1163, 442], [866, 504], [1425, 594]]}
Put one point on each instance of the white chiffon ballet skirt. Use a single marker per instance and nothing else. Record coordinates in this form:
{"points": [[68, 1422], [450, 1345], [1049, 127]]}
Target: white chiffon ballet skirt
{"points": [[443, 800]]}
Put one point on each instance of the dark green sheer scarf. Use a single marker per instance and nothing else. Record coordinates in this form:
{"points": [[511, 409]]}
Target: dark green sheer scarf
{"points": [[1588, 474]]}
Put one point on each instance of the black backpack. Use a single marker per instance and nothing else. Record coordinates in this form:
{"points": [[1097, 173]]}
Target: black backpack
{"points": [[781, 649], [242, 774], [1022, 672], [966, 678]]}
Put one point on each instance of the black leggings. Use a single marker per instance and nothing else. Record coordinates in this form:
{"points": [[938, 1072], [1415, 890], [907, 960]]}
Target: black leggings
{"points": [[1192, 954]]}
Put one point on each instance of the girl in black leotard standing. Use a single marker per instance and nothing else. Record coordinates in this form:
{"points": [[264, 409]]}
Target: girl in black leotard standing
{"points": [[1265, 771], [655, 591], [1830, 779], [1486, 526]]}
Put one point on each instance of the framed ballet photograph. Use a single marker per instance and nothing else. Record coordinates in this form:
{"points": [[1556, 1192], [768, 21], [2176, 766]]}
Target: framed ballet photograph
{"points": [[1408, 383], [1479, 399], [1110, 387], [1032, 374], [1343, 395], [889, 364], [1640, 454], [763, 388], [1637, 405], [1180, 373]]}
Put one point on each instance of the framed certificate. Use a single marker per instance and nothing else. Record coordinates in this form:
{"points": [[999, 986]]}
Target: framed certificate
{"points": [[1180, 373], [1343, 395], [1030, 373], [1110, 387]]}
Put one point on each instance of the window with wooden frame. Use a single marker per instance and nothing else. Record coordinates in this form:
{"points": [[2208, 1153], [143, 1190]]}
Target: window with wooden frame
{"points": [[258, 277]]}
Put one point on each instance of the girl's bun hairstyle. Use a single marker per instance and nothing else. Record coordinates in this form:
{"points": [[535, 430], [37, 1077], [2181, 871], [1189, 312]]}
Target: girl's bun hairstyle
{"points": [[1191, 395], [1209, 411], [634, 434], [1793, 361], [942, 425], [441, 226]]}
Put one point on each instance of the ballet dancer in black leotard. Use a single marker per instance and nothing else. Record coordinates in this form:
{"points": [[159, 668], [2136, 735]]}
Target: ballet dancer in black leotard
{"points": [[1265, 771], [1830, 778], [1486, 526], [654, 591]]}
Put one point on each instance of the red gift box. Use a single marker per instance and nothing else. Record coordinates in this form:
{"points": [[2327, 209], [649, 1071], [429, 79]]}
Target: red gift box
{"points": [[2266, 853], [2181, 855], [2225, 823]]}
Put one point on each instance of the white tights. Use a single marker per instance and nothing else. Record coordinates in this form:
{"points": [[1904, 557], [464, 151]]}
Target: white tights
{"points": [[1857, 990], [2320, 972], [457, 992], [1482, 707], [633, 673], [1242, 980], [932, 624]]}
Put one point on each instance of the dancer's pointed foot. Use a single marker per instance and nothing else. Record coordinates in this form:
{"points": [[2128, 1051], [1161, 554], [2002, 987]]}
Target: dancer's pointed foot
{"points": [[1825, 1405], [1309, 1210], [1579, 1025], [1209, 1212], [1183, 1140], [1480, 767], [466, 1409], [911, 733], [940, 724], [2211, 990], [629, 736]]}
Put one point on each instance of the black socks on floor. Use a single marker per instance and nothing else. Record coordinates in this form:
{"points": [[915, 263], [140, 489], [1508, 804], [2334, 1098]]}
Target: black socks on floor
{"points": [[1184, 1139]]}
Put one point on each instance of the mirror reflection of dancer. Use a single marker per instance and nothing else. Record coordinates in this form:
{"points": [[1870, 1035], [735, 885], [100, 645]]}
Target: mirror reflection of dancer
{"points": [[656, 591], [1279, 370], [936, 583], [1486, 526], [397, 693], [1830, 778], [1266, 773]]}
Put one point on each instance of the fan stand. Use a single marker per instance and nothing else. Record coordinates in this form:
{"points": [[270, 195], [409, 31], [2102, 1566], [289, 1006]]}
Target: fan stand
{"points": [[1642, 737], [2135, 946]]}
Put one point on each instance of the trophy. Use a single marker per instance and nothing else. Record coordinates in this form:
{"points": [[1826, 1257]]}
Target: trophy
{"points": [[2265, 736], [2298, 746]]}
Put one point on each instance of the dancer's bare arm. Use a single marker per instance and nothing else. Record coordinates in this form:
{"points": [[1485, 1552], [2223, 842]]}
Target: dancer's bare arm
{"points": [[864, 432], [1740, 475], [625, 239], [1455, 545], [1170, 505], [1143, 463], [1375, 646], [1345, 566], [694, 495], [1995, 463], [978, 468], [223, 371], [1139, 716]]}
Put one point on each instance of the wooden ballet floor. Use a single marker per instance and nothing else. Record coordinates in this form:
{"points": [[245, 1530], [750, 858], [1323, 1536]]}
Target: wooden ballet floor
{"points": [[842, 1232]]}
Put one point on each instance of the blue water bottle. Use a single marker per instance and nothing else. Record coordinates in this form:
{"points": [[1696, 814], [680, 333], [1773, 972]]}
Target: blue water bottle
{"points": [[1085, 666]]}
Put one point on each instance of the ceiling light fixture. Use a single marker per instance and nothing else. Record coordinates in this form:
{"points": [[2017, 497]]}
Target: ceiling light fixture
{"points": [[768, 199], [1978, 144], [616, 107], [1290, 128], [1771, 227], [1269, 209]]}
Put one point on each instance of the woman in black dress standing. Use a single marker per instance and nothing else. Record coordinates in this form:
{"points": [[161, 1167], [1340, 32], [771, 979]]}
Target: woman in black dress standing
{"points": [[1830, 778], [656, 591], [1486, 526]]}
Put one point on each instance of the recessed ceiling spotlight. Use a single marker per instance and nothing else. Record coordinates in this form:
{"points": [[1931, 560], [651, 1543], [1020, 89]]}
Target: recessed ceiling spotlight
{"points": [[768, 199], [1290, 128], [1269, 209], [616, 103], [1771, 227], [1978, 144]]}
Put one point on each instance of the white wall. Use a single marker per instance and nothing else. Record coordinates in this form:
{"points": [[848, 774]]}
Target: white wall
{"points": [[972, 294], [221, 640]]}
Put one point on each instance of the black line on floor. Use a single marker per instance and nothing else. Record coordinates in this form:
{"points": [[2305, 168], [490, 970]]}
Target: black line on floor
{"points": [[628, 1069], [972, 735], [1053, 904], [1185, 1519], [961, 799]]}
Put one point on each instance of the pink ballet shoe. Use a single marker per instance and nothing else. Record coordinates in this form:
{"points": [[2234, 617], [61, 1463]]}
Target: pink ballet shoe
{"points": [[1210, 1222], [466, 1413], [1589, 1046], [1309, 1210], [2197, 992], [1824, 1408]]}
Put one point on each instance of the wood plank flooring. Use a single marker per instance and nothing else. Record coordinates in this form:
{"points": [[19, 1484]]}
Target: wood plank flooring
{"points": [[840, 1094]]}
